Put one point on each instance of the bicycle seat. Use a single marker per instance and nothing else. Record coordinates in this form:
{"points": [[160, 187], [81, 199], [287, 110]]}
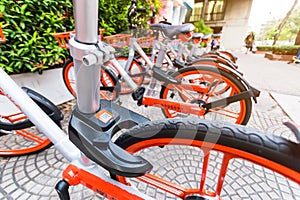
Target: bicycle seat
{"points": [[206, 37], [171, 31], [197, 35]]}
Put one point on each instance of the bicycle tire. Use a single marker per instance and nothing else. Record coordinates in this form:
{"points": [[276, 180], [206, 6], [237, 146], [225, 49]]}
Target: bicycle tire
{"points": [[235, 142], [240, 111], [224, 54], [107, 79], [19, 136]]}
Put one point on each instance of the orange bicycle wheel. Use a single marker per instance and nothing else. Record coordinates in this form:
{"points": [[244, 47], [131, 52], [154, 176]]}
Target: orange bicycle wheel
{"points": [[109, 89], [18, 136], [22, 142], [220, 84], [201, 159]]}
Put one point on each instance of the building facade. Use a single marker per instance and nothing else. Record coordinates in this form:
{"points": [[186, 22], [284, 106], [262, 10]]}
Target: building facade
{"points": [[228, 17]]}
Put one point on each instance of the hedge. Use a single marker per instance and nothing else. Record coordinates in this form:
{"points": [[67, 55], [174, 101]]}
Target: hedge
{"points": [[280, 50], [28, 26]]}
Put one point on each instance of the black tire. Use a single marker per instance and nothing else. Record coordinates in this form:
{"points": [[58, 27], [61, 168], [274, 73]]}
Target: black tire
{"points": [[266, 150], [19, 136], [231, 81]]}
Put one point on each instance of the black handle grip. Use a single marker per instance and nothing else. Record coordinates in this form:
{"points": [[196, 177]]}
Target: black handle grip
{"points": [[141, 10]]}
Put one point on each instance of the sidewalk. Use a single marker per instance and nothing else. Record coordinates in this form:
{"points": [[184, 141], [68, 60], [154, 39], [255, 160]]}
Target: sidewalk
{"points": [[34, 176], [51, 85], [289, 104]]}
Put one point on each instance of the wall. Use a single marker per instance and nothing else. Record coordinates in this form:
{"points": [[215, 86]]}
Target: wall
{"points": [[235, 28]]}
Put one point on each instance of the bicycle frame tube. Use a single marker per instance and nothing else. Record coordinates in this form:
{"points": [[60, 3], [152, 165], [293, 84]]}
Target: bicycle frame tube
{"points": [[51, 130], [38, 117], [87, 60], [87, 172], [138, 48]]}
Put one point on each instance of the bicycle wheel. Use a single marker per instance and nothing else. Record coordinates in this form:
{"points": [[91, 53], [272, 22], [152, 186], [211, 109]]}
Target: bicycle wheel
{"points": [[109, 87], [224, 54], [201, 159], [136, 72], [18, 136], [220, 85], [23, 141]]}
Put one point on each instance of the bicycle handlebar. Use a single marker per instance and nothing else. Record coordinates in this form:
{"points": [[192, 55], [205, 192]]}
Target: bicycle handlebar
{"points": [[133, 11]]}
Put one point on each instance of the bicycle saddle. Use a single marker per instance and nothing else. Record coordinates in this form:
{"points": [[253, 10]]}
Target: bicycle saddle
{"points": [[197, 35], [207, 36], [171, 31]]}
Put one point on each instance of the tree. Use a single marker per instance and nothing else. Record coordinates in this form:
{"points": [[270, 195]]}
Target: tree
{"points": [[281, 25], [200, 27], [297, 41], [288, 32]]}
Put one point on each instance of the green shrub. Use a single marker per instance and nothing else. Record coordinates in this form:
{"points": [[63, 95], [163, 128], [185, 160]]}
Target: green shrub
{"points": [[28, 26], [264, 48], [286, 49], [280, 50], [200, 27]]}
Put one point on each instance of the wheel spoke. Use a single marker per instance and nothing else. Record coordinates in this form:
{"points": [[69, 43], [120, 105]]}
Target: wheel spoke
{"points": [[204, 169], [167, 186], [226, 112], [227, 157]]}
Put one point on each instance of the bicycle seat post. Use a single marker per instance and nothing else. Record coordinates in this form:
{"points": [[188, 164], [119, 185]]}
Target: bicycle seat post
{"points": [[87, 59]]}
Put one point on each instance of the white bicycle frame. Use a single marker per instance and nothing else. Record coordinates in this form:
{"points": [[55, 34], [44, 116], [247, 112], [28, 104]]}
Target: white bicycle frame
{"points": [[87, 61], [134, 46]]}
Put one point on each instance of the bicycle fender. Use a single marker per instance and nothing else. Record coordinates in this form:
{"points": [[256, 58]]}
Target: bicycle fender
{"points": [[254, 93], [92, 134]]}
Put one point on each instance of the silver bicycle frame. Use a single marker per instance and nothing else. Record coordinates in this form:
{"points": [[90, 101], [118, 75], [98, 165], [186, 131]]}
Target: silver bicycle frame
{"points": [[134, 46]]}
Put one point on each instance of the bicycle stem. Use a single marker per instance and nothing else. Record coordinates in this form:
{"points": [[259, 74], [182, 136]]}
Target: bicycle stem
{"points": [[87, 59]]}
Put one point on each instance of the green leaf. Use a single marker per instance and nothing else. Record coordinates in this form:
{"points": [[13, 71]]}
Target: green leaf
{"points": [[22, 24]]}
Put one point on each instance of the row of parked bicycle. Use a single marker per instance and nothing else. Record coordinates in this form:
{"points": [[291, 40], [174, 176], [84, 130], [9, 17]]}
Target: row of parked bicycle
{"points": [[184, 81]]}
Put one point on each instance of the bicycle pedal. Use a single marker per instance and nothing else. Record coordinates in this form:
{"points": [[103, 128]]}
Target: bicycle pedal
{"points": [[138, 95]]}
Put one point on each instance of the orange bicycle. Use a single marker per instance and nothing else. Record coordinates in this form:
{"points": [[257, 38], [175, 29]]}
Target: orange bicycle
{"points": [[203, 151], [18, 136]]}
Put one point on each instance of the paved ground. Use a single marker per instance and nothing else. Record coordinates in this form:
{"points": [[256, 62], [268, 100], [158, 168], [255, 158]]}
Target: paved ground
{"points": [[34, 176]]}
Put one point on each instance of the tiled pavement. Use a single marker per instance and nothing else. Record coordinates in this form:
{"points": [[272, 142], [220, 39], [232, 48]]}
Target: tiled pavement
{"points": [[34, 176]]}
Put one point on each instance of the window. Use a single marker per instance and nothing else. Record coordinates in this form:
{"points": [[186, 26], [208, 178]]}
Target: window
{"points": [[214, 10]]}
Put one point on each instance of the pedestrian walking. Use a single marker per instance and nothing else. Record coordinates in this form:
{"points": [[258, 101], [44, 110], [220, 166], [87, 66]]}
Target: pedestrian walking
{"points": [[249, 41]]}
